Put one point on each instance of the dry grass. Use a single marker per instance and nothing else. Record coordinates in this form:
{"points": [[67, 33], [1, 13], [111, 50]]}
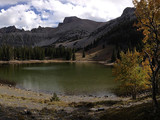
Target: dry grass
{"points": [[34, 100], [96, 54]]}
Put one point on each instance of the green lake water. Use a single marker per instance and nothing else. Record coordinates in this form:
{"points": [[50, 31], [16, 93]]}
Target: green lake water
{"points": [[62, 78]]}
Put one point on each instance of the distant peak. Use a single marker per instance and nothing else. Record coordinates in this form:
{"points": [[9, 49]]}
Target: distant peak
{"points": [[70, 19], [11, 27], [128, 10]]}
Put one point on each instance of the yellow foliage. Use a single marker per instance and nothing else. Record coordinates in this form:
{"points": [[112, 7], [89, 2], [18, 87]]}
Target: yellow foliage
{"points": [[132, 72], [148, 15]]}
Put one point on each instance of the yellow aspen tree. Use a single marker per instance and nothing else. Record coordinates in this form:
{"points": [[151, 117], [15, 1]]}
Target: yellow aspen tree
{"points": [[132, 75], [148, 16]]}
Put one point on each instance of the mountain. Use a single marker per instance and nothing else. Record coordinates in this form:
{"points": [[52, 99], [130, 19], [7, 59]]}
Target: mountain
{"points": [[117, 31], [78, 33], [71, 29]]}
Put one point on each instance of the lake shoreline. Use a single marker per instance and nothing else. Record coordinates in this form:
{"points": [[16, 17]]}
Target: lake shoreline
{"points": [[54, 61], [41, 61], [28, 104], [9, 91]]}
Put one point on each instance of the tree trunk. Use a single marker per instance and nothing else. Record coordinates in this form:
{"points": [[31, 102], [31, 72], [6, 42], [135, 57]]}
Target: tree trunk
{"points": [[154, 94], [157, 92], [134, 96], [157, 84], [134, 93]]}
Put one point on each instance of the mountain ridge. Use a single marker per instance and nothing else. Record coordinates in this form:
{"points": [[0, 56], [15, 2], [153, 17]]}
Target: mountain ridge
{"points": [[75, 32]]}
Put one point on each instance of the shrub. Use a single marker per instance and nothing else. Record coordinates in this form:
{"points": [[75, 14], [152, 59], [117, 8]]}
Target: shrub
{"points": [[54, 98]]}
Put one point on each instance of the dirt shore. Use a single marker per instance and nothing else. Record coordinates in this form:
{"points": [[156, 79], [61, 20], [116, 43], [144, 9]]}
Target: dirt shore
{"points": [[27, 105], [11, 96], [40, 61]]}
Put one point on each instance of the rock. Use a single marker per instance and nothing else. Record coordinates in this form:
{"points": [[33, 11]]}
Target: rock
{"points": [[34, 112], [101, 109], [27, 112], [62, 110], [93, 109]]}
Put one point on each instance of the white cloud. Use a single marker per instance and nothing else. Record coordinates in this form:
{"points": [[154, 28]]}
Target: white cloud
{"points": [[11, 2], [102, 10], [50, 12], [19, 16]]}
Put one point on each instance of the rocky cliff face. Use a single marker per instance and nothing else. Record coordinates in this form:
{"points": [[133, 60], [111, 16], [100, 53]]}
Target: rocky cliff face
{"points": [[73, 32]]}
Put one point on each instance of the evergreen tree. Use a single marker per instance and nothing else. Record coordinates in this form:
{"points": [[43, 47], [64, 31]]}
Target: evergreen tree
{"points": [[68, 54], [73, 56], [114, 57], [83, 54], [118, 54], [103, 46]]}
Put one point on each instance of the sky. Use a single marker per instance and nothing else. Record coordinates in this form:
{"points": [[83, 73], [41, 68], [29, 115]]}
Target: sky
{"points": [[28, 14]]}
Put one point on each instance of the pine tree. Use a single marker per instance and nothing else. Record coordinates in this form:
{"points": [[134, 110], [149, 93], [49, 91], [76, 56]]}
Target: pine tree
{"points": [[83, 54], [114, 57], [68, 54], [73, 56]]}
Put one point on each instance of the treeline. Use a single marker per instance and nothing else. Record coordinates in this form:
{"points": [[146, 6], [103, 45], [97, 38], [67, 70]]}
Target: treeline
{"points": [[35, 53]]}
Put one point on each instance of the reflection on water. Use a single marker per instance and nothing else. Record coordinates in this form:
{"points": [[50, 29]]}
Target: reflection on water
{"points": [[65, 78], [40, 68]]}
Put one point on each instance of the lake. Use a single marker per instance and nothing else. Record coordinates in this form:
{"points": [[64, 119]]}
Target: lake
{"points": [[62, 78]]}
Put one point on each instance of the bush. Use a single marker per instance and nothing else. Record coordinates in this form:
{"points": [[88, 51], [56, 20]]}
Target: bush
{"points": [[54, 98]]}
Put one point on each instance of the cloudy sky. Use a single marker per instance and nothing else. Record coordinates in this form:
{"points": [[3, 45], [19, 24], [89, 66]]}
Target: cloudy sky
{"points": [[28, 14]]}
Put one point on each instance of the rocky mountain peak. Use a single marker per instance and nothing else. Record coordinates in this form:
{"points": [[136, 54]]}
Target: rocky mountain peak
{"points": [[10, 29], [71, 19], [128, 11]]}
